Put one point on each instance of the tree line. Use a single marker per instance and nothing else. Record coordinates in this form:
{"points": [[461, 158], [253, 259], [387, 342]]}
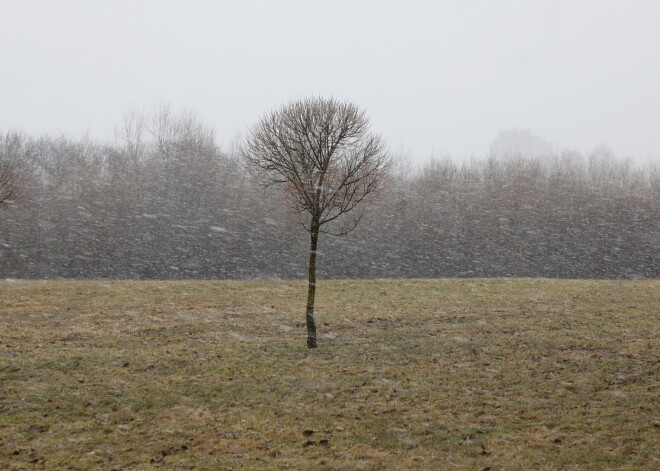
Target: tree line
{"points": [[164, 201]]}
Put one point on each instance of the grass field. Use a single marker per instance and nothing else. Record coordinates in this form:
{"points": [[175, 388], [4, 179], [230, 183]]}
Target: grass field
{"points": [[410, 374]]}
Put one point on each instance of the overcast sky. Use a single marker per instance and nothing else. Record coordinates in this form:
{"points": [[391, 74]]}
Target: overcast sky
{"points": [[436, 77]]}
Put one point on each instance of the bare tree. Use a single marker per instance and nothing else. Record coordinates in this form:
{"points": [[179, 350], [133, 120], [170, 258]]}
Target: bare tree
{"points": [[9, 184], [12, 146], [323, 156]]}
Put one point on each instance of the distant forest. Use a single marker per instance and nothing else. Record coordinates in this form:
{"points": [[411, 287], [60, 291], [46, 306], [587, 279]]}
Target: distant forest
{"points": [[164, 201]]}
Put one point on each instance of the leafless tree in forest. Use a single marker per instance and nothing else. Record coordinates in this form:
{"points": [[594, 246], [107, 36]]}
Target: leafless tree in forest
{"points": [[324, 157], [11, 188], [9, 184]]}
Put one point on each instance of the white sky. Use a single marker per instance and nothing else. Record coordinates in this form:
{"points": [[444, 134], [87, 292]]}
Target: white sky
{"points": [[436, 77]]}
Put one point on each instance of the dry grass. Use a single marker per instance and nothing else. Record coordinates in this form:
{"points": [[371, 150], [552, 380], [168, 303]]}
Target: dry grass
{"points": [[410, 374]]}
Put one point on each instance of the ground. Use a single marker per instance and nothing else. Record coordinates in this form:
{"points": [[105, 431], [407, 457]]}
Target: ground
{"points": [[512, 374]]}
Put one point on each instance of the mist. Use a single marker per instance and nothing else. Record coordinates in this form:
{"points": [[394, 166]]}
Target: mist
{"points": [[524, 135], [437, 78], [164, 201]]}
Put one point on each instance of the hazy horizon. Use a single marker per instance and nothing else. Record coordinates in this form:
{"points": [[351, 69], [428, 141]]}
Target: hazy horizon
{"points": [[436, 78]]}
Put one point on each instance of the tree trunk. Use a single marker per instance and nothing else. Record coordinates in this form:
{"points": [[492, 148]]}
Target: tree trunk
{"points": [[311, 290]]}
